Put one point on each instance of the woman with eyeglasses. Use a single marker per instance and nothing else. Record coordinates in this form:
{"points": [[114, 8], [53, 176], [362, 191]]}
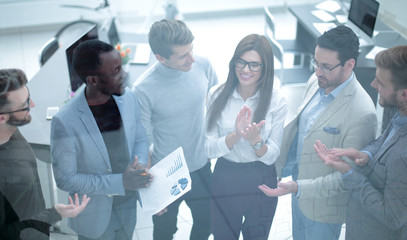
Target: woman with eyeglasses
{"points": [[245, 123]]}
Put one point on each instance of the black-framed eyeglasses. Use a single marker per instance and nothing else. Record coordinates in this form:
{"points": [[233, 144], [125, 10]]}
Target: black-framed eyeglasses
{"points": [[21, 110], [326, 70], [253, 66]]}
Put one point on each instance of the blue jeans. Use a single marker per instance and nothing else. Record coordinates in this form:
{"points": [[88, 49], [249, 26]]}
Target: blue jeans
{"points": [[306, 229]]}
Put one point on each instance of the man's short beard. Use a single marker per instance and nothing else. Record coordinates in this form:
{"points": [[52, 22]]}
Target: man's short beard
{"points": [[13, 121]]}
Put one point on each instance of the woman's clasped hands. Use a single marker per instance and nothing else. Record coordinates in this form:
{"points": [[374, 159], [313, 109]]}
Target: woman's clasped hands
{"points": [[245, 128]]}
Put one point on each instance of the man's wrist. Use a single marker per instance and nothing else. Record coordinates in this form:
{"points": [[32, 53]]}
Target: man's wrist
{"points": [[234, 135], [346, 169]]}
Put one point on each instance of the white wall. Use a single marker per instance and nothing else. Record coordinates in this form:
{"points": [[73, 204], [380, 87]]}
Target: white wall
{"points": [[393, 13], [43, 12], [29, 13]]}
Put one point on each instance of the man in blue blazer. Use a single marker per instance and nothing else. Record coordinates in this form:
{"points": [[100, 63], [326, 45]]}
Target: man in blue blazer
{"points": [[378, 184], [99, 146]]}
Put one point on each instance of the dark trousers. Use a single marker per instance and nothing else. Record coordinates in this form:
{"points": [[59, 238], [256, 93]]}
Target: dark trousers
{"points": [[198, 200], [236, 195]]}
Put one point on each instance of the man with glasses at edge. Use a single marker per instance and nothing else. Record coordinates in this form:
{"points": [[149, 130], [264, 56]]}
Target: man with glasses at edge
{"points": [[337, 111], [22, 207]]}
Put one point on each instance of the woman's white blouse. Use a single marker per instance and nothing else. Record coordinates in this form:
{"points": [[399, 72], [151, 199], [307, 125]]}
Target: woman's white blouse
{"points": [[242, 151]]}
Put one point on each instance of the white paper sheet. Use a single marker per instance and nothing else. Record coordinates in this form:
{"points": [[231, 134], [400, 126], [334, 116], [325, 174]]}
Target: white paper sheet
{"points": [[342, 19], [324, 16], [375, 50], [329, 5], [171, 181], [323, 27]]}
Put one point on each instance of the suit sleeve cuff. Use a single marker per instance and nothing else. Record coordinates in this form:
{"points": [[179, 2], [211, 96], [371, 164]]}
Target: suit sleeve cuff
{"points": [[344, 176], [299, 190], [117, 185], [368, 153]]}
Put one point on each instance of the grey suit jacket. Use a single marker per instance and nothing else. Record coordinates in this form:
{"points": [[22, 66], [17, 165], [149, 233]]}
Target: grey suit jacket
{"points": [[353, 117], [378, 206], [81, 163]]}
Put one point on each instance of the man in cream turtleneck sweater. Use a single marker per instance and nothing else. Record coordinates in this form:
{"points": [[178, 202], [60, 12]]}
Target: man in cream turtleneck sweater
{"points": [[172, 97]]}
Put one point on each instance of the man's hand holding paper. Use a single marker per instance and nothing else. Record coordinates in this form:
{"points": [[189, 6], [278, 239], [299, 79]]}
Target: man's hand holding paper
{"points": [[171, 181], [136, 176]]}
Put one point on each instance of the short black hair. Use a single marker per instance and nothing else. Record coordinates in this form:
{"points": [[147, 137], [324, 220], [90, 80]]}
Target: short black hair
{"points": [[86, 60], [342, 40], [10, 80]]}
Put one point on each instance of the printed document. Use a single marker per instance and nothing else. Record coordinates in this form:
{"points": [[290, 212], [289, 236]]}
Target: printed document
{"points": [[171, 180]]}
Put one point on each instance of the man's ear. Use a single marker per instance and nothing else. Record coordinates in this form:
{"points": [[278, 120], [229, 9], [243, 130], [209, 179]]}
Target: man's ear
{"points": [[350, 64], [91, 80], [160, 58], [3, 118], [403, 94]]}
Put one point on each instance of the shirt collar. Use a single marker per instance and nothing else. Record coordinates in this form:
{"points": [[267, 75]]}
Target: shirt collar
{"points": [[399, 120], [237, 95]]}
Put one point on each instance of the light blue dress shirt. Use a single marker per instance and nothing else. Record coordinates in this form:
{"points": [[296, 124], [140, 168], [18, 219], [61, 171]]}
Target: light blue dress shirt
{"points": [[398, 122]]}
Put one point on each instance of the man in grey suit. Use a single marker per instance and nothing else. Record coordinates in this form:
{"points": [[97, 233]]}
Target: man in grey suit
{"points": [[337, 110], [94, 139], [378, 183]]}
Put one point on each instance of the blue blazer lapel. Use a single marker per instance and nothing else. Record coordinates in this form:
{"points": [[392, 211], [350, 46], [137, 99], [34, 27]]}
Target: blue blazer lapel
{"points": [[86, 116], [127, 120]]}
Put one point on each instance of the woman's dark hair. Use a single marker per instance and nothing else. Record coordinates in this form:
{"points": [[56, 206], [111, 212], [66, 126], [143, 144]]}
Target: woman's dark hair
{"points": [[261, 45]]}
